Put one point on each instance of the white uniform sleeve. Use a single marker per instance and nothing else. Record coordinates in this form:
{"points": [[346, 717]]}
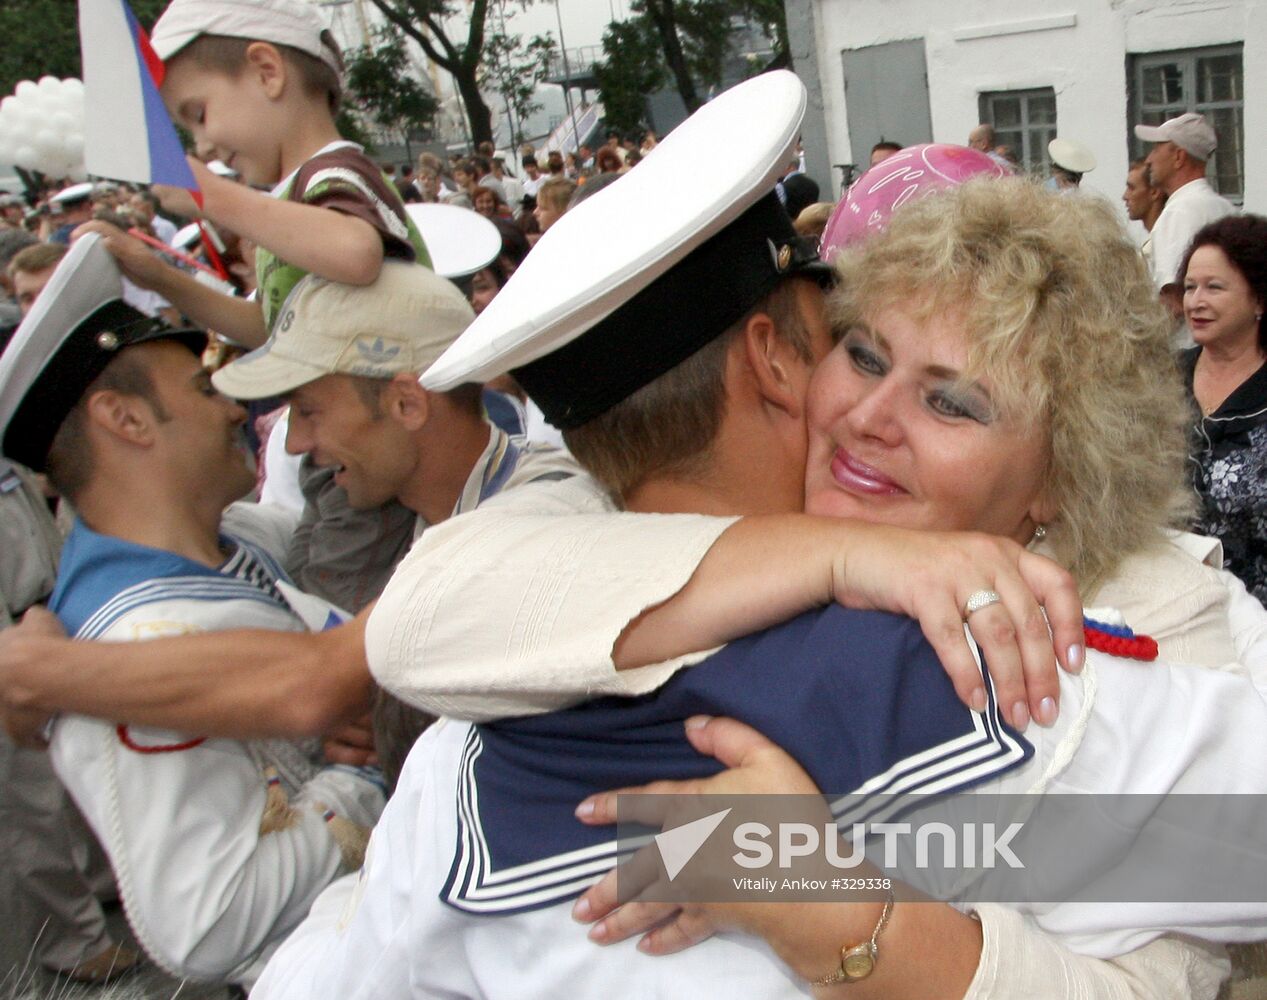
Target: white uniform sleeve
{"points": [[1156, 729], [207, 894], [503, 612], [358, 942], [1018, 960]]}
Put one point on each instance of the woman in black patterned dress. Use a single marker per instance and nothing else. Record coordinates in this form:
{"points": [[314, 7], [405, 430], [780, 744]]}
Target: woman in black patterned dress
{"points": [[1225, 287]]}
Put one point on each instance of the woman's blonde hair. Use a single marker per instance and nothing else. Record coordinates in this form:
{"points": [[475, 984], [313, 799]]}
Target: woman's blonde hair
{"points": [[1066, 327]]}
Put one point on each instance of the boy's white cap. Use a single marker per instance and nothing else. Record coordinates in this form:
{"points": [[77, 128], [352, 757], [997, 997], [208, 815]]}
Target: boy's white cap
{"points": [[459, 240], [634, 280], [281, 22], [1190, 132], [76, 327], [1071, 156], [401, 322]]}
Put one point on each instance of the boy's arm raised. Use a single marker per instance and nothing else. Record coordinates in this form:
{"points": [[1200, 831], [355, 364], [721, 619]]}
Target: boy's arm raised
{"points": [[332, 245], [236, 318]]}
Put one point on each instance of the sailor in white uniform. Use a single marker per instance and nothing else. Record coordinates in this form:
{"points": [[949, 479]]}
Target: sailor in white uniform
{"points": [[219, 845]]}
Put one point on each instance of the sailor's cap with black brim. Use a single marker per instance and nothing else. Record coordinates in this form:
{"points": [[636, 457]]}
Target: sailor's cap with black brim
{"points": [[76, 327], [633, 281], [73, 195]]}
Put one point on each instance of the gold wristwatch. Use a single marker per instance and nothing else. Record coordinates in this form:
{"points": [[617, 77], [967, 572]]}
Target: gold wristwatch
{"points": [[857, 961]]}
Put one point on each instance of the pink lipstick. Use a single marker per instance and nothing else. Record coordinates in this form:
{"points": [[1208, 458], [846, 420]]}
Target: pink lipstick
{"points": [[858, 477]]}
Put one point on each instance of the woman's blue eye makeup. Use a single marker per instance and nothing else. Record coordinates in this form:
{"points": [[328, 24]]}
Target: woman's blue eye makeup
{"points": [[950, 401], [967, 403], [951, 405], [865, 359]]}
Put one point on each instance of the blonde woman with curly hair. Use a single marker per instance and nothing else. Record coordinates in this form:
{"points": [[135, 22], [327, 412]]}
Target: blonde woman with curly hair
{"points": [[1000, 366], [1045, 303]]}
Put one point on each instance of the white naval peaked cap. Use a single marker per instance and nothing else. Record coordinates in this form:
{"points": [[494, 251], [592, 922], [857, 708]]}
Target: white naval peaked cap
{"points": [[652, 267], [72, 194], [76, 327], [1072, 156], [459, 240]]}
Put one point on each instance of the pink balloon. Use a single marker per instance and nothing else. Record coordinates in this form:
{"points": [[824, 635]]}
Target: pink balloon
{"points": [[913, 173]]}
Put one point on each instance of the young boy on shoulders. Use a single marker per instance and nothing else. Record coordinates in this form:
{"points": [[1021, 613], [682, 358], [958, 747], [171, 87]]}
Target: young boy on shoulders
{"points": [[257, 83]]}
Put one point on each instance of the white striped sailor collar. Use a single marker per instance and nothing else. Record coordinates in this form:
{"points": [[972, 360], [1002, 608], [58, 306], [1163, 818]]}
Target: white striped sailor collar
{"points": [[488, 476], [491, 471]]}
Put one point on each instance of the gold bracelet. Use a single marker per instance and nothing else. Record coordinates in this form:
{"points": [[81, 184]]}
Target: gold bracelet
{"points": [[857, 961]]}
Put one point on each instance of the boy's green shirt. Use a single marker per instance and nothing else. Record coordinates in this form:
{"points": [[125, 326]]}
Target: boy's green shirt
{"points": [[342, 178]]}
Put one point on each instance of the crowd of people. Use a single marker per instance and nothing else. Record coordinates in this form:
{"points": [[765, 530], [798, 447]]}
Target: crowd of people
{"points": [[369, 532]]}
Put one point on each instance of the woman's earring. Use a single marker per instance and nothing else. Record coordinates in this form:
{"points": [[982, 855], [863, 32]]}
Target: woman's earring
{"points": [[1040, 532]]}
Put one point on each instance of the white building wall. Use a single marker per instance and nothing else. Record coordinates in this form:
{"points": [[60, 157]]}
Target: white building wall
{"points": [[1076, 47]]}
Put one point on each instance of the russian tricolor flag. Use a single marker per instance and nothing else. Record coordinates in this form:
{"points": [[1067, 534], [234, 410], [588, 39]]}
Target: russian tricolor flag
{"points": [[128, 134]]}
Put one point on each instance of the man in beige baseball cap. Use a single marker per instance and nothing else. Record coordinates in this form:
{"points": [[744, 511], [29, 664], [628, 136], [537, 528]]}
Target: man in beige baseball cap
{"points": [[385, 458], [1176, 164], [348, 357]]}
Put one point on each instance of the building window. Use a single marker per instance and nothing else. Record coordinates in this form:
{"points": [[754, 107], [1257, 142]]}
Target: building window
{"points": [[1025, 122], [1211, 81]]}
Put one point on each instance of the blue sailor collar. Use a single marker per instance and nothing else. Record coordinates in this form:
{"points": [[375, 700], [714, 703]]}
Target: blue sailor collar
{"points": [[858, 698], [96, 569]]}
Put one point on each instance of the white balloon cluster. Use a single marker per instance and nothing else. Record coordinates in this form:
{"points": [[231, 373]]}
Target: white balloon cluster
{"points": [[42, 128]]}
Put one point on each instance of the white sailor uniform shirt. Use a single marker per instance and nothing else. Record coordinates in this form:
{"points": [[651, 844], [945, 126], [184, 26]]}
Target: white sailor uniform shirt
{"points": [[206, 894]]}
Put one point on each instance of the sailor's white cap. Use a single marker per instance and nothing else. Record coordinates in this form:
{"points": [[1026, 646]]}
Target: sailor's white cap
{"points": [[1071, 156], [634, 280], [459, 240], [76, 327], [72, 194]]}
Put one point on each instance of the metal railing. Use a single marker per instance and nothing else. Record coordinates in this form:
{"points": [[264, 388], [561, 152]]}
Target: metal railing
{"points": [[580, 62]]}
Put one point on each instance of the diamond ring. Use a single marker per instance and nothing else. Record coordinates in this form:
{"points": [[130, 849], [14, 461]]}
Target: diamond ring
{"points": [[980, 599]]}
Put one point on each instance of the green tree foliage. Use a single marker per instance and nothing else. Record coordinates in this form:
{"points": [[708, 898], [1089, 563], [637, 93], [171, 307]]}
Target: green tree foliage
{"points": [[513, 66], [680, 41], [424, 22], [771, 17], [632, 69], [41, 38], [384, 88]]}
